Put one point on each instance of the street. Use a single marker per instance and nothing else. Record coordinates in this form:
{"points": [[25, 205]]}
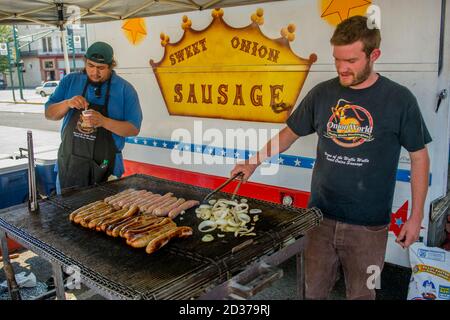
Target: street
{"points": [[28, 121], [17, 118], [29, 95], [28, 115]]}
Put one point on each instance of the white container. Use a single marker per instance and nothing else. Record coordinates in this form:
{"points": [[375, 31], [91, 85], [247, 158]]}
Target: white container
{"points": [[46, 158], [11, 165]]}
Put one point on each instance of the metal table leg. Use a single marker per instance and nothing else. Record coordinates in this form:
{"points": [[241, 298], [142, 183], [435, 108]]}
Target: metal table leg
{"points": [[301, 275], [59, 281], [9, 271]]}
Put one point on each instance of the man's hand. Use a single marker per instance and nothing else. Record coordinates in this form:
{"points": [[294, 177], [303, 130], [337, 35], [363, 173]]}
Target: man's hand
{"points": [[78, 102], [410, 232], [94, 119], [246, 168]]}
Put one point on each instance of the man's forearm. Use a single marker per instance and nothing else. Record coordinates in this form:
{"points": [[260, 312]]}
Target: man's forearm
{"points": [[420, 166], [121, 128], [278, 144], [57, 111]]}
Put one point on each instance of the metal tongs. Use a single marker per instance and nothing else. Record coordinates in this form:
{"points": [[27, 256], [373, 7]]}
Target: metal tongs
{"points": [[223, 185]]}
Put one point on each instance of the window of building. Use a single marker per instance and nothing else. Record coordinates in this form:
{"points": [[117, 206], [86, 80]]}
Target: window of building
{"points": [[44, 44], [83, 43], [47, 44], [48, 64]]}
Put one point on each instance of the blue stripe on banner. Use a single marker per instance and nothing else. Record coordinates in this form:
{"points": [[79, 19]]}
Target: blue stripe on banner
{"points": [[282, 159]]}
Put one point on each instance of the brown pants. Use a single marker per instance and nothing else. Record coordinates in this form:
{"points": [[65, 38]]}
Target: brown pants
{"points": [[354, 247]]}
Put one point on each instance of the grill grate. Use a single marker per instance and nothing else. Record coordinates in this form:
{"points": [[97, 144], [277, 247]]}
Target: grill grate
{"points": [[183, 269]]}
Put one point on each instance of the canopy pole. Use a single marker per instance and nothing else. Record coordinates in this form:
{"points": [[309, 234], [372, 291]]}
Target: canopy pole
{"points": [[66, 54], [62, 28]]}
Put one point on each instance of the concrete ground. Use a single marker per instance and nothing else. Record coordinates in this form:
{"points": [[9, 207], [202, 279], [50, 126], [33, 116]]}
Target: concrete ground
{"points": [[11, 139], [29, 96], [27, 114]]}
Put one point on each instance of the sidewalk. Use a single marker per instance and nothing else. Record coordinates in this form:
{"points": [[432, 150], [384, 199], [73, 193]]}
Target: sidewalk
{"points": [[33, 103], [29, 95], [21, 107], [11, 139]]}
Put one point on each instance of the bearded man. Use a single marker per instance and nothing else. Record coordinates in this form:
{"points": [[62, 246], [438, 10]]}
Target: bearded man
{"points": [[99, 109], [365, 118]]}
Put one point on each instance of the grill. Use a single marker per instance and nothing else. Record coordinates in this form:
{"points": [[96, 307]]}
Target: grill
{"points": [[183, 269]]}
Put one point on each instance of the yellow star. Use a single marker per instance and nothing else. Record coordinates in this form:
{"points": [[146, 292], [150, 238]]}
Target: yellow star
{"points": [[343, 7], [135, 30]]}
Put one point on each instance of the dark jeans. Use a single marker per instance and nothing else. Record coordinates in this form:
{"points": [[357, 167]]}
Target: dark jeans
{"points": [[356, 248]]}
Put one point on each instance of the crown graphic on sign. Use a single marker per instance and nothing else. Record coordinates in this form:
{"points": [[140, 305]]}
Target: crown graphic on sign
{"points": [[231, 73]]}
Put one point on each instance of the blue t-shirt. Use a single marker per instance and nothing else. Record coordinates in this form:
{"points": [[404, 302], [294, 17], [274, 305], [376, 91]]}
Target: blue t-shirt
{"points": [[123, 105]]}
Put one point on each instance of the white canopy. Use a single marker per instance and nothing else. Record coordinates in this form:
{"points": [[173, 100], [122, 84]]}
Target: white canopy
{"points": [[58, 12]]}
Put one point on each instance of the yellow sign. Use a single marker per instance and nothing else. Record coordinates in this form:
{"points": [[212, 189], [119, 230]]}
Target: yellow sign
{"points": [[231, 73], [432, 270]]}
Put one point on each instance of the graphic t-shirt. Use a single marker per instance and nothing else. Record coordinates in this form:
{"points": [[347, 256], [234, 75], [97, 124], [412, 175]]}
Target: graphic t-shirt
{"points": [[360, 134]]}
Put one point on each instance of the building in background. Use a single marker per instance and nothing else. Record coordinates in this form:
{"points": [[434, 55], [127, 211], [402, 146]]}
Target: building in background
{"points": [[43, 58]]}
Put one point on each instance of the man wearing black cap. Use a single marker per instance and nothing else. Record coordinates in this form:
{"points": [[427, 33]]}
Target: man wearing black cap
{"points": [[99, 109]]}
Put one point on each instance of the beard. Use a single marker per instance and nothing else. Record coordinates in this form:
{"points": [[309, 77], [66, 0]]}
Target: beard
{"points": [[360, 77], [96, 83]]}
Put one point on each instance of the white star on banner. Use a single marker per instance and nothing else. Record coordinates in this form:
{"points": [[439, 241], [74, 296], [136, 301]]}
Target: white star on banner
{"points": [[155, 143], [145, 142], [165, 145], [280, 160], [210, 151], [297, 163], [175, 146], [135, 140], [222, 152], [237, 155]]}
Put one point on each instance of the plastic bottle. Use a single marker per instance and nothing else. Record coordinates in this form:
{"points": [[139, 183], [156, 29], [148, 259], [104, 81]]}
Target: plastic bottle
{"points": [[104, 164]]}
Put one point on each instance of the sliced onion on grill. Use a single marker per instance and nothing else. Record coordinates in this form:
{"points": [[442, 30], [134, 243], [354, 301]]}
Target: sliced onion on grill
{"points": [[244, 217], [207, 238], [203, 226], [227, 216]]}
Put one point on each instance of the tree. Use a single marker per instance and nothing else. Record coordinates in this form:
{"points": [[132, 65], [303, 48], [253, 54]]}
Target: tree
{"points": [[5, 36]]}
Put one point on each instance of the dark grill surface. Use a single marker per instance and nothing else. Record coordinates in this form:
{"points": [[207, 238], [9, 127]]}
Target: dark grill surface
{"points": [[183, 269]]}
